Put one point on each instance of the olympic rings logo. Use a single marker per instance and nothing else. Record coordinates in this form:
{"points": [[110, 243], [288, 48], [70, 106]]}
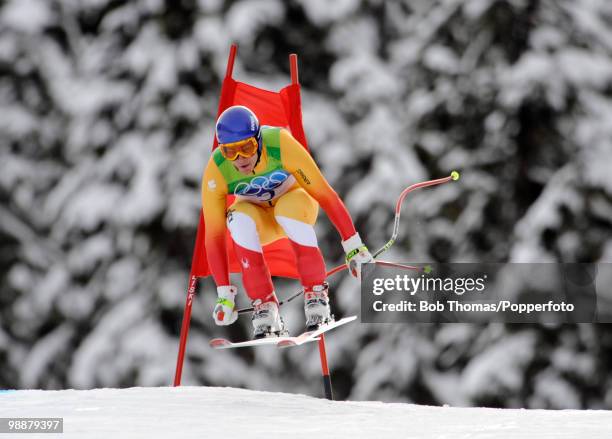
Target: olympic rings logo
{"points": [[263, 186]]}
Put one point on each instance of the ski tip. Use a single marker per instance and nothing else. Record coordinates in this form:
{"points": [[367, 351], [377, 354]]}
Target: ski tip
{"points": [[455, 175], [219, 343]]}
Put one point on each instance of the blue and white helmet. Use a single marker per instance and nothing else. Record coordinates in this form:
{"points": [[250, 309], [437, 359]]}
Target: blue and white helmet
{"points": [[237, 123]]}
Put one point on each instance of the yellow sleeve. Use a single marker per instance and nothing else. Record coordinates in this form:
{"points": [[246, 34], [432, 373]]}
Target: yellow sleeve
{"points": [[301, 165], [214, 193]]}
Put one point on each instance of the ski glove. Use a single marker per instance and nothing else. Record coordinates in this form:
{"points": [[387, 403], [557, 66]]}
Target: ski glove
{"points": [[225, 312], [356, 254]]}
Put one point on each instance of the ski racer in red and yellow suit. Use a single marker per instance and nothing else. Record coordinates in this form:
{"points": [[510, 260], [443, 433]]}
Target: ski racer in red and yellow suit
{"points": [[277, 194]]}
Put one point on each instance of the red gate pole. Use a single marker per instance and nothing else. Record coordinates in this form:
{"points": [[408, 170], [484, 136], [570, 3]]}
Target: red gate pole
{"points": [[293, 68], [227, 91], [185, 327], [230, 61], [327, 385]]}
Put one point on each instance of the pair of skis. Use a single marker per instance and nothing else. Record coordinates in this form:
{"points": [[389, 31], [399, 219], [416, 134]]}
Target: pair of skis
{"points": [[282, 342]]}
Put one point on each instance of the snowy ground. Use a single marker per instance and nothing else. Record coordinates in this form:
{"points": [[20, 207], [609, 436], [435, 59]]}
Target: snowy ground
{"points": [[209, 412]]}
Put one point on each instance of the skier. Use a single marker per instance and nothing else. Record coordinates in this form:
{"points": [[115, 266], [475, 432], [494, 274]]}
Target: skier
{"points": [[277, 187]]}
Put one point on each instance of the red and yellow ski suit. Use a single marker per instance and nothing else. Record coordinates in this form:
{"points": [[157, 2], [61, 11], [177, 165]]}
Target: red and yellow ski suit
{"points": [[279, 199]]}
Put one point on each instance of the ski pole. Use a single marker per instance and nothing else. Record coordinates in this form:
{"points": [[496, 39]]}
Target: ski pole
{"points": [[398, 206]]}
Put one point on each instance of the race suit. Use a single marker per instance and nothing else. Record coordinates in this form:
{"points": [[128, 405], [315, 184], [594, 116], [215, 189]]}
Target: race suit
{"points": [[279, 199]]}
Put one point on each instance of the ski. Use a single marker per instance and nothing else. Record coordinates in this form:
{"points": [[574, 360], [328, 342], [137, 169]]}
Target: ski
{"points": [[309, 336], [282, 342], [221, 343]]}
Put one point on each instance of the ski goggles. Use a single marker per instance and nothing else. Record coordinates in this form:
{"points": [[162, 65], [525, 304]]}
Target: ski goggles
{"points": [[246, 148]]}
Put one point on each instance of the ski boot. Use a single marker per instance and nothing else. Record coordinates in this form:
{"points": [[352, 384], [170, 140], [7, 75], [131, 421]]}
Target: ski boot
{"points": [[316, 306], [267, 321]]}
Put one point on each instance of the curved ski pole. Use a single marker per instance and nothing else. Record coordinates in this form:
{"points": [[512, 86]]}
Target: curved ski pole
{"points": [[398, 206]]}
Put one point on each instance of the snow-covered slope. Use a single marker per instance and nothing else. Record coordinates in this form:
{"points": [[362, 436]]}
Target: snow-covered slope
{"points": [[209, 412]]}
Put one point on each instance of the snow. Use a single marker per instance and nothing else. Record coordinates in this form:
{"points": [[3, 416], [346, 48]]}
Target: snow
{"points": [[323, 12], [354, 37], [42, 354], [244, 18], [26, 15], [367, 76], [210, 5], [209, 33], [590, 18], [585, 68], [523, 78], [441, 58], [50, 287], [126, 340], [547, 37], [17, 121], [474, 9], [126, 16], [93, 204], [87, 96], [90, 252], [544, 213], [499, 370], [122, 277], [203, 412], [551, 389]]}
